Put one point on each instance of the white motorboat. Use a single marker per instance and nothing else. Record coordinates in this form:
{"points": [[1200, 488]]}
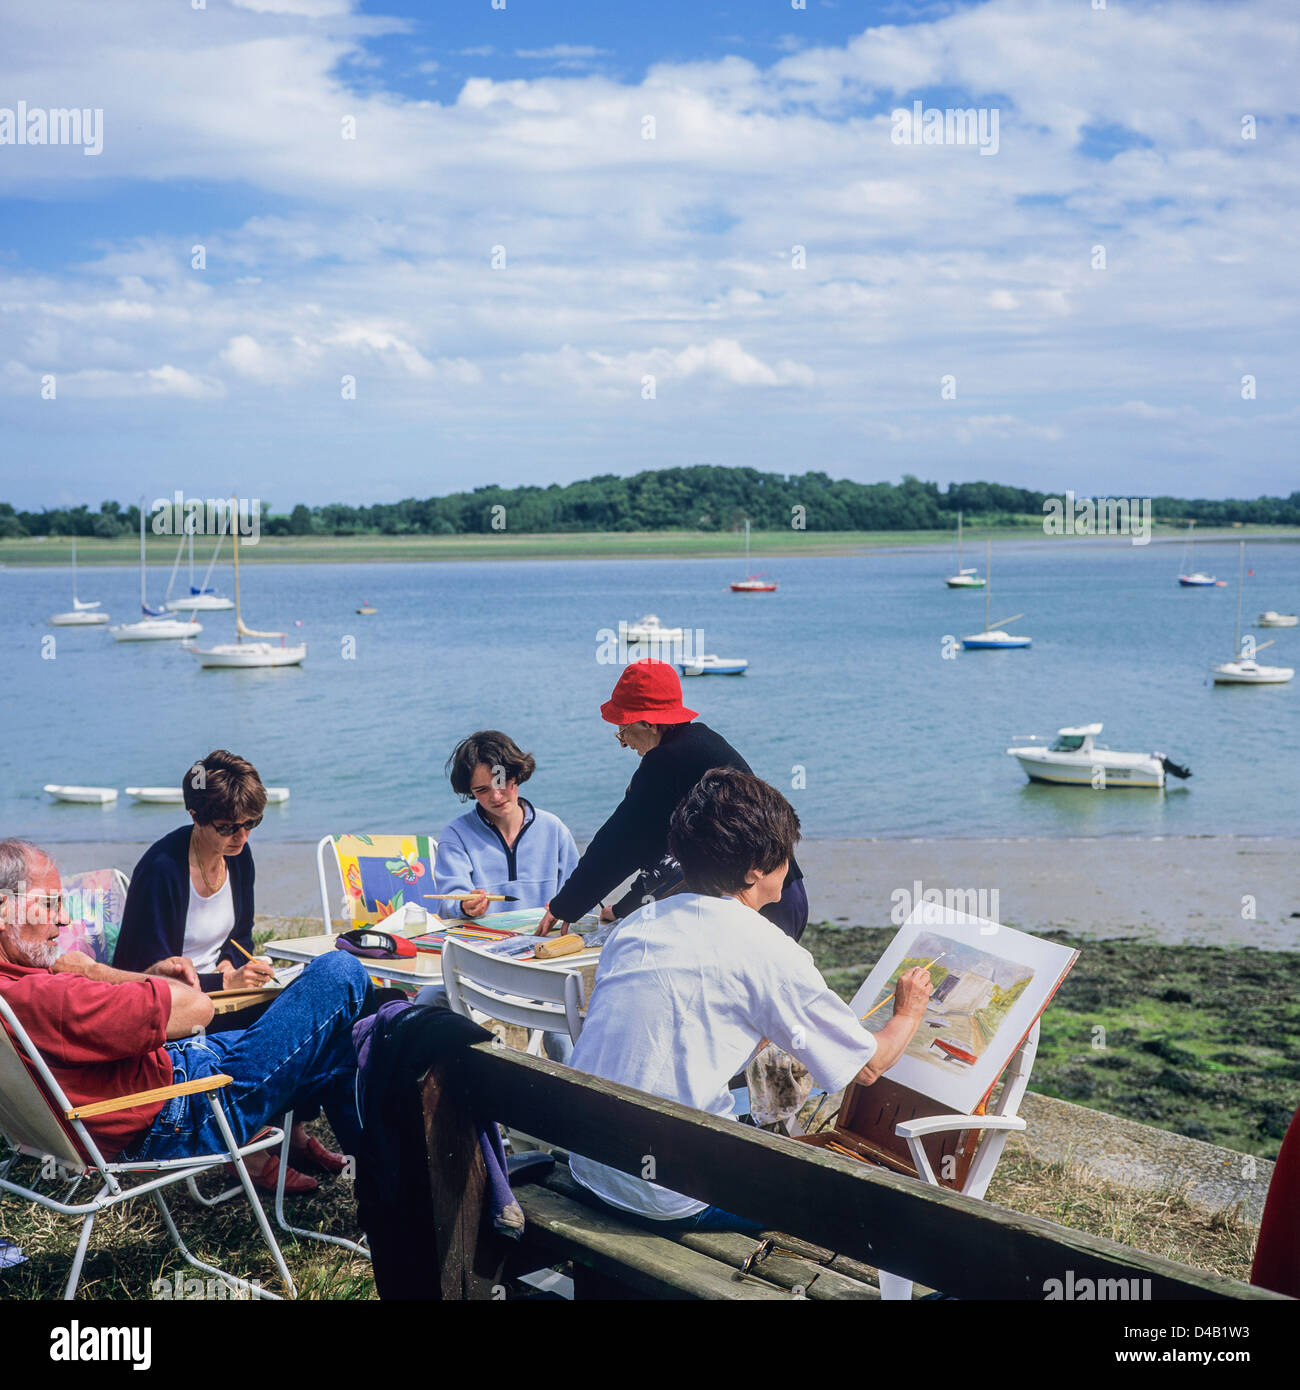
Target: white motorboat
{"points": [[650, 629], [1272, 619], [1243, 669], [173, 796], [201, 598], [964, 578], [89, 796], [993, 638], [712, 665], [1076, 759], [155, 626], [81, 614], [241, 655], [1193, 578]]}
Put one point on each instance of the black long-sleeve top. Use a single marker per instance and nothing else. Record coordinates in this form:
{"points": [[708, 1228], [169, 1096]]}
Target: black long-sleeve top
{"points": [[158, 900], [635, 837]]}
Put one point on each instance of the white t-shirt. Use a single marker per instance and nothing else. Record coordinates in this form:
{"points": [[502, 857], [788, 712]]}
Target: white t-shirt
{"points": [[682, 1000], [208, 923]]}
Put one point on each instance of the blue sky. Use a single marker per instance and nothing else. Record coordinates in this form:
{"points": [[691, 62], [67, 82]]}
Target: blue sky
{"points": [[369, 255]]}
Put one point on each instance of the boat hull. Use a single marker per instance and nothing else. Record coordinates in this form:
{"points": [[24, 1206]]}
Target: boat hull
{"points": [[1277, 620], [249, 655], [981, 642], [79, 620], [1058, 771], [716, 668], [202, 603], [85, 796], [1197, 581], [162, 630], [1243, 673], [745, 588], [964, 582], [156, 796]]}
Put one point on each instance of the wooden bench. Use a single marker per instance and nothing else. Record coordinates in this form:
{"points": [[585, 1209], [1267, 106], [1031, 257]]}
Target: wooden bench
{"points": [[844, 1217]]}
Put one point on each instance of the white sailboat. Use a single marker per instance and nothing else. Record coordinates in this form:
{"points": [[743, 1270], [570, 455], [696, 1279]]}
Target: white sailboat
{"points": [[752, 583], [201, 598], [993, 638], [241, 655], [964, 578], [81, 614], [155, 626], [1193, 578], [1244, 669]]}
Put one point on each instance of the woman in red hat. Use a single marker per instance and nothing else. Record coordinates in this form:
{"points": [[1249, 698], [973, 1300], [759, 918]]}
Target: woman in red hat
{"points": [[676, 750]]}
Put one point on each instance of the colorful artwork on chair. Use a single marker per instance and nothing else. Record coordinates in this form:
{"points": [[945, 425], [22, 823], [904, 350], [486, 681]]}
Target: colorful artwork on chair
{"points": [[95, 902], [990, 985], [380, 870]]}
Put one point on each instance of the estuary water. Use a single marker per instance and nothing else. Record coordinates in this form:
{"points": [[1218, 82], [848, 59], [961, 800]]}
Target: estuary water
{"points": [[853, 705]]}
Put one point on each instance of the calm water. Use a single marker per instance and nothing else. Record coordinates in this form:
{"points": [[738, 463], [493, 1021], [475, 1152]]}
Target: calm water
{"points": [[846, 680]]}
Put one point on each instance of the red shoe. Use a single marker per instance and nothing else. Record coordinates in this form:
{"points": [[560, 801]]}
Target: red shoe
{"points": [[295, 1182], [314, 1157]]}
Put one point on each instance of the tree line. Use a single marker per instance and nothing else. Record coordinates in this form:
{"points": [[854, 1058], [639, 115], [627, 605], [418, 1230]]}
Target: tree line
{"points": [[700, 498]]}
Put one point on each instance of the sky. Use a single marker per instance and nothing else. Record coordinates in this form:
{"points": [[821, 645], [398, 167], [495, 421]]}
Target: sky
{"points": [[335, 250]]}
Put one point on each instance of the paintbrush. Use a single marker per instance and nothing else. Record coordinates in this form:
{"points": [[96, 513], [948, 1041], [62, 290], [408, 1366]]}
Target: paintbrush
{"points": [[460, 897], [886, 1000]]}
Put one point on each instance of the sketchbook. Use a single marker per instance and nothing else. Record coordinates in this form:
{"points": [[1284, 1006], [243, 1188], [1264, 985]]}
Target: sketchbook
{"points": [[991, 984]]}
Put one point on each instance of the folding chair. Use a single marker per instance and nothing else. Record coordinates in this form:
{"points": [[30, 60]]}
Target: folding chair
{"points": [[539, 999], [372, 876], [95, 902], [37, 1121]]}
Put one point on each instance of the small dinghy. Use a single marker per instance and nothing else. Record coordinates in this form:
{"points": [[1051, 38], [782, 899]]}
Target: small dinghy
{"points": [[1272, 619], [86, 796]]}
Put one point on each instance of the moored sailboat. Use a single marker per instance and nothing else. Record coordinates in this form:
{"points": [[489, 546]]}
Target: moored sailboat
{"points": [[753, 583], [993, 638], [964, 578]]}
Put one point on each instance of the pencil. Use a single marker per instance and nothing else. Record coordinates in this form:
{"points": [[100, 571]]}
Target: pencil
{"points": [[886, 1000], [241, 950]]}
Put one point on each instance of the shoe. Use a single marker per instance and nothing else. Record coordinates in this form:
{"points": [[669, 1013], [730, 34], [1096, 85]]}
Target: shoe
{"points": [[316, 1158], [295, 1182]]}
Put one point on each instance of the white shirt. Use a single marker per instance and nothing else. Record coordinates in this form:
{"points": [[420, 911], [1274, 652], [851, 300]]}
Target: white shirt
{"points": [[682, 1000], [208, 923]]}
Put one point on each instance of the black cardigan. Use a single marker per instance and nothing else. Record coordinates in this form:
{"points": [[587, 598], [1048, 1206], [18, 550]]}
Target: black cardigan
{"points": [[635, 837], [153, 920]]}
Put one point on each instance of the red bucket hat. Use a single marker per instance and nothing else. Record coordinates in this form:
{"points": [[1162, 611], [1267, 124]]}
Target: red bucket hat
{"points": [[648, 690]]}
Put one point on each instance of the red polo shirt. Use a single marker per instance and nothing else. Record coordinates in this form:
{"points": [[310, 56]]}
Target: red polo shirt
{"points": [[99, 1040]]}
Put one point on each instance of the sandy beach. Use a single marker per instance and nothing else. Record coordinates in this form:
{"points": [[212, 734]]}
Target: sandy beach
{"points": [[1163, 890]]}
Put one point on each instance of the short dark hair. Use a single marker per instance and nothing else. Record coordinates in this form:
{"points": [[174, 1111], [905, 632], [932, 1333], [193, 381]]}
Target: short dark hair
{"points": [[223, 787], [494, 748], [728, 823]]}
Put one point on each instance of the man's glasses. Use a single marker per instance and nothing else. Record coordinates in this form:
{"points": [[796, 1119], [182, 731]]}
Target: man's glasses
{"points": [[233, 829]]}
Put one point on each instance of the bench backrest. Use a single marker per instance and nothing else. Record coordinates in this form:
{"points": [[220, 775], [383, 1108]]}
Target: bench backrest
{"points": [[966, 1247]]}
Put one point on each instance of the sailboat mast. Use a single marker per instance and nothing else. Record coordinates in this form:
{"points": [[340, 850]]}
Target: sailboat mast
{"points": [[988, 580], [239, 618], [190, 528], [958, 542], [746, 547], [144, 607], [74, 571], [1241, 577]]}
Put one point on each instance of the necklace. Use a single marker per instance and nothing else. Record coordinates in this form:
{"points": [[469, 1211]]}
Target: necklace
{"points": [[203, 872]]}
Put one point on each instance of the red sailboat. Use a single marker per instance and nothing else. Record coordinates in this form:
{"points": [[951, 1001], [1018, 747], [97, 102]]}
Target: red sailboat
{"points": [[754, 583]]}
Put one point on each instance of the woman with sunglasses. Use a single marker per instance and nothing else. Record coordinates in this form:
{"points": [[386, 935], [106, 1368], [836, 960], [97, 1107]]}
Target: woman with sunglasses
{"points": [[192, 895], [192, 892]]}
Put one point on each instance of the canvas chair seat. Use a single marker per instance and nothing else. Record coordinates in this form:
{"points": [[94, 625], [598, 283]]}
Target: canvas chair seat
{"points": [[37, 1121]]}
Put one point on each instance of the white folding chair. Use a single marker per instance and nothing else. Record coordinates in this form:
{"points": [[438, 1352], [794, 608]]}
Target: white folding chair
{"points": [[541, 999], [37, 1121]]}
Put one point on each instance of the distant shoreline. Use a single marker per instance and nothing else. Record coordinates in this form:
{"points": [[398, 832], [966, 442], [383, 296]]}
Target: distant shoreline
{"points": [[581, 545]]}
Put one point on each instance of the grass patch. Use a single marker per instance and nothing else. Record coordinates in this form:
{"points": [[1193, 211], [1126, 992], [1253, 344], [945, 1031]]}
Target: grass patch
{"points": [[1198, 1040]]}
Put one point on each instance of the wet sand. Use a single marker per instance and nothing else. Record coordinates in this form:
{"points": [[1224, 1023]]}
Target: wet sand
{"points": [[1164, 890]]}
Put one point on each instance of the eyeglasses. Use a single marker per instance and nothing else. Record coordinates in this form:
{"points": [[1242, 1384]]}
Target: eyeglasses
{"points": [[622, 729], [38, 909], [227, 831]]}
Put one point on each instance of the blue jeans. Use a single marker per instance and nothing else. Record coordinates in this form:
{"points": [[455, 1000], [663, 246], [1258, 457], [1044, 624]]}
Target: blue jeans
{"points": [[298, 1055]]}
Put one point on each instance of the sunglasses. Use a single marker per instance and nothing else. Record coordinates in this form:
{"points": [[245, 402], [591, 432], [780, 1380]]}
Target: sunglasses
{"points": [[234, 829]]}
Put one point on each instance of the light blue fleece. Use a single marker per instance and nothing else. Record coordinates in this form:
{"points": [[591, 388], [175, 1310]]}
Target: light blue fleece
{"points": [[472, 854]]}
